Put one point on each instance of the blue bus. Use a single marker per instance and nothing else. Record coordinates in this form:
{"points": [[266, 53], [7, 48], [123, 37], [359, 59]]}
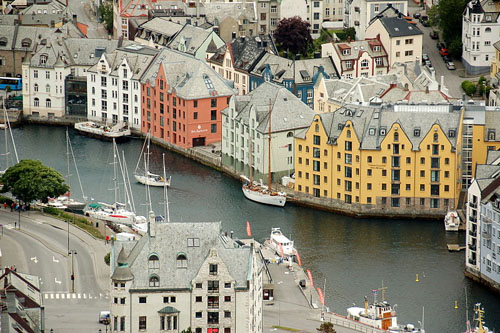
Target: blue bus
{"points": [[15, 83]]}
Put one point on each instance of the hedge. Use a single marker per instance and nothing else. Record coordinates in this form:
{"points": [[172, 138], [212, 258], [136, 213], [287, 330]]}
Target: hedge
{"points": [[468, 87], [78, 221]]}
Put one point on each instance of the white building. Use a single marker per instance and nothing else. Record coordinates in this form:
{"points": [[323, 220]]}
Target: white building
{"points": [[483, 226], [114, 87], [245, 123], [183, 275], [46, 72], [480, 30], [319, 11], [359, 13]]}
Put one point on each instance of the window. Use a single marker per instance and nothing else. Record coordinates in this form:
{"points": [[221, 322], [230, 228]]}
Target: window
{"points": [[48, 103], [142, 299], [348, 172], [213, 302], [316, 165], [348, 146], [435, 162], [227, 314], [213, 269], [181, 261], [434, 175], [154, 281], [213, 128], [199, 299], [198, 315], [213, 102], [434, 203], [153, 262], [408, 53], [434, 189], [193, 242], [213, 115], [213, 286], [142, 322], [213, 318], [364, 64], [317, 140], [35, 74]]}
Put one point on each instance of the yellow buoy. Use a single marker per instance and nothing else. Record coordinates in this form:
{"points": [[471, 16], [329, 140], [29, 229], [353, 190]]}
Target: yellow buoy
{"points": [[456, 305], [416, 280]]}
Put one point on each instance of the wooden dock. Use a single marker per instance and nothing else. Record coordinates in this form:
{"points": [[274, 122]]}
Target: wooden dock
{"points": [[455, 247]]}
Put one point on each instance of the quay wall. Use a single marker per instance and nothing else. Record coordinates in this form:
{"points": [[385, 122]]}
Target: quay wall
{"points": [[206, 156], [484, 280]]}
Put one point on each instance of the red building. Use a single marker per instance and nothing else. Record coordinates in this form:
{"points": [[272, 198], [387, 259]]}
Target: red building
{"points": [[182, 100]]}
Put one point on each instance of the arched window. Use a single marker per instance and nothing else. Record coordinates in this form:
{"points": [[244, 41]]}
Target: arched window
{"points": [[93, 90], [36, 102], [487, 30], [181, 261], [435, 137], [47, 88], [48, 103], [348, 133], [396, 136], [35, 87], [289, 135], [154, 262], [364, 63], [154, 281], [43, 59]]}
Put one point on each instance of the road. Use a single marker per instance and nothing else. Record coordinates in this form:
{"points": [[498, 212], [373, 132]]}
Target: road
{"points": [[452, 80], [40, 248], [85, 15]]}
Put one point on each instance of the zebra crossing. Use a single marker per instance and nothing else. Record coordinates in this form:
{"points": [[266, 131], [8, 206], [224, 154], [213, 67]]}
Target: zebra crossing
{"points": [[73, 296]]}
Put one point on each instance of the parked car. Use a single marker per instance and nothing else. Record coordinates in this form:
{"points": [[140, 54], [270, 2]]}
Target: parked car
{"points": [[417, 15], [434, 34], [446, 59], [441, 45], [443, 52], [425, 23], [431, 69], [428, 63], [450, 66], [423, 18], [425, 57]]}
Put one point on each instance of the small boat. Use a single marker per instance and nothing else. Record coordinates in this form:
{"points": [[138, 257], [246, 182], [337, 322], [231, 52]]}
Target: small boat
{"points": [[90, 128], [116, 213], [56, 204], [478, 319], [451, 221], [70, 203], [379, 314], [280, 243], [144, 176]]}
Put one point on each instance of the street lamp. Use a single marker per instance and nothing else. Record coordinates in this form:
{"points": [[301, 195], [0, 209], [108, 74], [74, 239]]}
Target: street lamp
{"points": [[72, 254], [71, 210]]}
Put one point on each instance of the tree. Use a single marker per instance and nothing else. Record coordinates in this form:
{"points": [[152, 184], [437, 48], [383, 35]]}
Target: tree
{"points": [[30, 180], [106, 14], [326, 327], [449, 17], [187, 330], [293, 35]]}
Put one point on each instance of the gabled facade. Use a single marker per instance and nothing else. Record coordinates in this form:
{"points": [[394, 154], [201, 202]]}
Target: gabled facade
{"points": [[182, 100], [236, 59], [114, 85], [354, 59], [234, 19], [402, 40], [196, 41], [382, 160], [480, 30], [298, 76], [183, 275], [45, 74], [359, 13], [245, 123]]}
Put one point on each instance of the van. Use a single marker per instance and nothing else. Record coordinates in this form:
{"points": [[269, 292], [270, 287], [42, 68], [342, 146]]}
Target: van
{"points": [[104, 317]]}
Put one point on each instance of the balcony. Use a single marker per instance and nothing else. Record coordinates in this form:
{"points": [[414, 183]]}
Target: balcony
{"points": [[472, 233], [472, 247], [486, 220], [472, 261], [473, 219], [486, 235], [473, 204]]}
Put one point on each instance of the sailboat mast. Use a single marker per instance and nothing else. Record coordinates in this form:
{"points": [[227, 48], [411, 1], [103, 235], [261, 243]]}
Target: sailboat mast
{"points": [[11, 136], [250, 160], [165, 192], [76, 169], [67, 162], [269, 176], [6, 138], [115, 177]]}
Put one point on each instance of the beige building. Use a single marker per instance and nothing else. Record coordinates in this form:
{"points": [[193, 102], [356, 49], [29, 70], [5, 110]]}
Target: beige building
{"points": [[182, 275], [401, 39]]}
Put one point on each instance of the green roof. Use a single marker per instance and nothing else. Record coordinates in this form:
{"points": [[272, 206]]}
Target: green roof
{"points": [[168, 309], [94, 205]]}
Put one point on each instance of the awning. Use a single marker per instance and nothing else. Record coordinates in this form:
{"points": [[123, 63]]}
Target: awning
{"points": [[168, 309]]}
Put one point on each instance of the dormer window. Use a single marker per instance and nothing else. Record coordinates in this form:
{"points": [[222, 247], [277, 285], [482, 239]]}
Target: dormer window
{"points": [[376, 48], [181, 261], [346, 51], [154, 262], [491, 135], [3, 41], [43, 59], [416, 132], [26, 42], [154, 281]]}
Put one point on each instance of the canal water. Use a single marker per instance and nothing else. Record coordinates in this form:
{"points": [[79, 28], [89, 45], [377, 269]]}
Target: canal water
{"points": [[354, 256]]}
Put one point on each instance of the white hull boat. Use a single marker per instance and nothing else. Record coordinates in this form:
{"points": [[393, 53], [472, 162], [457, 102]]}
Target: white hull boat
{"points": [[451, 221], [280, 243], [71, 204], [113, 214], [261, 195], [152, 180], [103, 131], [57, 204]]}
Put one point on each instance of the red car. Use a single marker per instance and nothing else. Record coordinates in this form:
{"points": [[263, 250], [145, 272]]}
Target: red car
{"points": [[444, 52]]}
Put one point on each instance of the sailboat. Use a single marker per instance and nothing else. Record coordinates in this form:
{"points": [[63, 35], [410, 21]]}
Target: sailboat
{"points": [[66, 200], [144, 176], [121, 213], [8, 133], [259, 192]]}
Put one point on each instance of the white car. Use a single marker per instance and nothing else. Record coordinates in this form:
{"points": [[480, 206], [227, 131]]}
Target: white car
{"points": [[425, 57], [450, 65], [431, 69]]}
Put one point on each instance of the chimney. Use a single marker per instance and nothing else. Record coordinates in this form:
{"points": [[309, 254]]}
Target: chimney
{"points": [[392, 85], [152, 224]]}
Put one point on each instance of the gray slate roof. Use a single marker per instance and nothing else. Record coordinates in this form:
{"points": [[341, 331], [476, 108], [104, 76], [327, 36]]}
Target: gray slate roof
{"points": [[188, 75], [493, 157], [377, 118], [192, 36], [236, 10], [288, 111], [160, 29], [170, 240], [399, 27]]}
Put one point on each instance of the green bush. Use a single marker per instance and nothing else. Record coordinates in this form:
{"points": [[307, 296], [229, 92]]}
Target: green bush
{"points": [[3, 199], [468, 87], [78, 221], [107, 258]]}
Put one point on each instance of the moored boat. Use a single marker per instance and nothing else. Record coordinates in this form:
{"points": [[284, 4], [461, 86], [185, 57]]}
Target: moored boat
{"points": [[479, 322], [280, 243], [90, 128], [451, 221], [142, 175], [116, 213], [260, 193]]}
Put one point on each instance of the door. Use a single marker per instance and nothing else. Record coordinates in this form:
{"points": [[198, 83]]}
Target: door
{"points": [[198, 142]]}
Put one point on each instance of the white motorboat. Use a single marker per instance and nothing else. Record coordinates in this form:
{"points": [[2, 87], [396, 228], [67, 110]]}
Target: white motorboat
{"points": [[90, 128], [379, 314], [280, 243], [56, 204], [142, 174], [259, 192], [116, 213], [451, 221], [70, 203]]}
